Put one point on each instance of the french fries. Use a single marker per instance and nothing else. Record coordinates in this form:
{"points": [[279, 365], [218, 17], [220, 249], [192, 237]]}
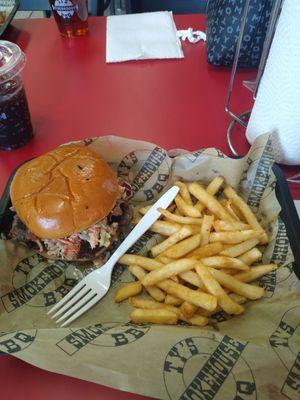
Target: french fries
{"points": [[168, 270], [186, 209], [172, 300], [185, 246], [156, 316], [208, 250], [231, 194], [185, 194], [154, 291], [147, 263], [236, 286], [240, 248], [234, 237], [165, 228], [205, 229], [128, 290], [204, 261], [184, 232], [251, 256], [199, 299], [212, 189], [213, 287], [178, 218], [255, 272], [222, 262], [210, 202], [225, 226]]}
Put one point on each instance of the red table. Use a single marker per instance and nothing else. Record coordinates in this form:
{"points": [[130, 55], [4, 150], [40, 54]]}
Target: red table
{"points": [[74, 94]]}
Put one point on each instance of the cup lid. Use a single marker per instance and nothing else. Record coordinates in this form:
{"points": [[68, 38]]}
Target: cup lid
{"points": [[12, 60]]}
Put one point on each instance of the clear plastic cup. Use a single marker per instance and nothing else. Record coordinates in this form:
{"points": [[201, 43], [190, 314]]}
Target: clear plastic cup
{"points": [[15, 123]]}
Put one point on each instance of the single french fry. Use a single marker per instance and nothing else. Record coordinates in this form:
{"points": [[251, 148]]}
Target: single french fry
{"points": [[147, 263], [145, 209], [208, 250], [195, 297], [172, 300], [240, 248], [238, 298], [183, 247], [234, 237], [251, 256], [213, 287], [230, 271], [184, 232], [154, 291], [168, 270], [192, 278], [255, 272], [128, 290], [225, 226], [179, 219], [206, 228], [155, 316], [236, 286], [195, 229], [213, 188], [230, 193], [163, 259], [165, 228], [177, 212], [224, 262], [188, 309], [209, 201], [196, 319], [235, 297], [215, 185], [186, 209], [185, 194], [227, 204], [142, 302]]}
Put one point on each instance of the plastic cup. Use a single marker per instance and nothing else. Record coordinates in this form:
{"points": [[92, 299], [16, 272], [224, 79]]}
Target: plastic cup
{"points": [[15, 123]]}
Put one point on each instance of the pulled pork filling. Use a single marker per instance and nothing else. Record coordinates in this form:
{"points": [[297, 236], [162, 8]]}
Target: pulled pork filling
{"points": [[86, 244]]}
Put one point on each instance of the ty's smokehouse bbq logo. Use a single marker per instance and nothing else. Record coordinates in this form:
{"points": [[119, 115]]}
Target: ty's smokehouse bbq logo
{"points": [[37, 282], [16, 341], [103, 335], [151, 173], [279, 256], [214, 366], [285, 343], [262, 176]]}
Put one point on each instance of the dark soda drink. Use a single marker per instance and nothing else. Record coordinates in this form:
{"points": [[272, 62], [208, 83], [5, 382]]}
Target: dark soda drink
{"points": [[15, 123], [71, 16]]}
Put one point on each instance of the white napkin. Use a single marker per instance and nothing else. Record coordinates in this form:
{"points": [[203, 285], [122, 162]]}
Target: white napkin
{"points": [[142, 36]]}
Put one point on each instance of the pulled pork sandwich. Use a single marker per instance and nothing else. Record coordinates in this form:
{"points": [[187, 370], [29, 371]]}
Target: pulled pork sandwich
{"points": [[68, 205]]}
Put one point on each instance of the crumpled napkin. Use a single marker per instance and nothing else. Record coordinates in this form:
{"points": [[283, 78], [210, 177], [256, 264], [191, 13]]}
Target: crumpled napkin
{"points": [[142, 36]]}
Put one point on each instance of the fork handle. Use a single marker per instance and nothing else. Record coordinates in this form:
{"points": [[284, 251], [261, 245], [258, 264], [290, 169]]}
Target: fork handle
{"points": [[144, 224]]}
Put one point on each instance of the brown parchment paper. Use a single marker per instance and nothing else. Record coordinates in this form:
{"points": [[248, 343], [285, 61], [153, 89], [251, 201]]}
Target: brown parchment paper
{"points": [[252, 356]]}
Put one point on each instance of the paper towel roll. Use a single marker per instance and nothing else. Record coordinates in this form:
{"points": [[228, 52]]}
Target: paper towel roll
{"points": [[277, 105]]}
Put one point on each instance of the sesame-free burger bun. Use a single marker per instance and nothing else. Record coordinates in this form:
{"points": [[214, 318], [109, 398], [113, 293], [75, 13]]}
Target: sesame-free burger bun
{"points": [[63, 191]]}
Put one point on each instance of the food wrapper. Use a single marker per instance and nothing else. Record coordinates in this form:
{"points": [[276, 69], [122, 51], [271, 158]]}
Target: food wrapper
{"points": [[254, 355]]}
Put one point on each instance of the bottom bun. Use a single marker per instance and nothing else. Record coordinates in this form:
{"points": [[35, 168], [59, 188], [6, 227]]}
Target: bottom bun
{"points": [[80, 260]]}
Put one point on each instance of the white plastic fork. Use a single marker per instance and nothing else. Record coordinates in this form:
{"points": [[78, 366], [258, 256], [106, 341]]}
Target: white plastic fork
{"points": [[96, 284]]}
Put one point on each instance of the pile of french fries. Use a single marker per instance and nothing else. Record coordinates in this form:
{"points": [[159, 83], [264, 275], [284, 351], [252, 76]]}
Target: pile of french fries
{"points": [[204, 264]]}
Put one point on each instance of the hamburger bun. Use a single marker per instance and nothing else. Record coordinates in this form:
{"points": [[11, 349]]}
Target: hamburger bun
{"points": [[64, 191]]}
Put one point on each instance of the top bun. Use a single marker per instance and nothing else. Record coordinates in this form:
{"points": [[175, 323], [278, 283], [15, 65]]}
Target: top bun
{"points": [[64, 191]]}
